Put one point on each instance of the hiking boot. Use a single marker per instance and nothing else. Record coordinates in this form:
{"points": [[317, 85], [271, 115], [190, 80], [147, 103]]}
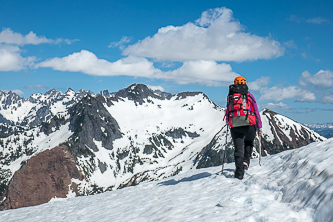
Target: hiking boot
{"points": [[239, 175], [246, 166]]}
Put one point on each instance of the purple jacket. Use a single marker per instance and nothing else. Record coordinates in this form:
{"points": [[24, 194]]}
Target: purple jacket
{"points": [[255, 110]]}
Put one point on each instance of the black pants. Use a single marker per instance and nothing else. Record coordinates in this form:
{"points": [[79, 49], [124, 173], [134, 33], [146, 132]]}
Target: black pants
{"points": [[243, 138]]}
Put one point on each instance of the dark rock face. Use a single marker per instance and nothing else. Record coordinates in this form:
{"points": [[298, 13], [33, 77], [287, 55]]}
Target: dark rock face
{"points": [[90, 120], [46, 175], [137, 93]]}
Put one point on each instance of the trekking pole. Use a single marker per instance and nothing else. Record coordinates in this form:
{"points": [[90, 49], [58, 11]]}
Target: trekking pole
{"points": [[225, 148], [259, 140]]}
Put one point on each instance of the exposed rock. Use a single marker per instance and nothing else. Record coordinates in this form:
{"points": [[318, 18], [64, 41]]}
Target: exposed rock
{"points": [[91, 121], [282, 141], [45, 176], [186, 94], [137, 93]]}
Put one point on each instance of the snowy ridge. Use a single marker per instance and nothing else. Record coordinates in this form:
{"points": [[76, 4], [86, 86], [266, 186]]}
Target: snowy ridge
{"points": [[37, 108], [294, 185], [280, 132]]}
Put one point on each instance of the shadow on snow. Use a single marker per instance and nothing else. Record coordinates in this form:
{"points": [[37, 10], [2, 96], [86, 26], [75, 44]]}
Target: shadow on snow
{"points": [[186, 179]]}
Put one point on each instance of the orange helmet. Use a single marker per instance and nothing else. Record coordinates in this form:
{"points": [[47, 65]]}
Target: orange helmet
{"points": [[239, 80]]}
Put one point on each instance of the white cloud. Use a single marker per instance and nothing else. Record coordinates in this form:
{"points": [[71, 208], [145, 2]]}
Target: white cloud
{"points": [[327, 98], [278, 106], [317, 20], [11, 60], [276, 93], [10, 57], [290, 44], [36, 87], [201, 72], [259, 83], [215, 36], [87, 62], [121, 44], [160, 88], [67, 41], [306, 96], [295, 18], [7, 36], [323, 78]]}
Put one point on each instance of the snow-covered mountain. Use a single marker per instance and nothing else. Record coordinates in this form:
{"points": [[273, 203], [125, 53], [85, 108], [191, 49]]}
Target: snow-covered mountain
{"points": [[294, 185], [117, 139], [324, 129]]}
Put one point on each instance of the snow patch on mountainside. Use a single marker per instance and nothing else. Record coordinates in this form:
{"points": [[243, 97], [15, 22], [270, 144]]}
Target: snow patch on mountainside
{"points": [[40, 143], [140, 123]]}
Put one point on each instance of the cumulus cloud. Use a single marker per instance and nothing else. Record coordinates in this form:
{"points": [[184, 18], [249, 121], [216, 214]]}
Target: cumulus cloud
{"points": [[276, 93], [259, 83], [327, 98], [278, 106], [160, 88], [10, 53], [323, 78], [11, 60], [317, 20], [7, 36], [87, 62], [121, 44], [201, 72], [312, 88], [215, 36]]}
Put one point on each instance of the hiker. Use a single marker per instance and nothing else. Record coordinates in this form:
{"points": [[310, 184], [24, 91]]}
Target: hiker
{"points": [[242, 116]]}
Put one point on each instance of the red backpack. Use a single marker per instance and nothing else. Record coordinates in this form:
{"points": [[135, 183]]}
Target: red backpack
{"points": [[241, 112]]}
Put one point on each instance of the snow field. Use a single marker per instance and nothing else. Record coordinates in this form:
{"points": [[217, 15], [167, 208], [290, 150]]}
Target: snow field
{"points": [[275, 191]]}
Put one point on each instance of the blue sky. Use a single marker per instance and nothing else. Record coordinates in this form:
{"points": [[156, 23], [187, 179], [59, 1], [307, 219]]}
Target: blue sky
{"points": [[283, 48]]}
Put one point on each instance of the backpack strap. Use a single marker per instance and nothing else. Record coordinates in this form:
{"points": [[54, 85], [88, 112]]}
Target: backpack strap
{"points": [[244, 100], [231, 103]]}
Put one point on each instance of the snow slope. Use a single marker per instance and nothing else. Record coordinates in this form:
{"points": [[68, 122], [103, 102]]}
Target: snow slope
{"points": [[294, 185]]}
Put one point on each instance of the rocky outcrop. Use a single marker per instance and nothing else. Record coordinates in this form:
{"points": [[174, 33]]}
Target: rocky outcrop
{"points": [[137, 93], [91, 121], [286, 136], [44, 176]]}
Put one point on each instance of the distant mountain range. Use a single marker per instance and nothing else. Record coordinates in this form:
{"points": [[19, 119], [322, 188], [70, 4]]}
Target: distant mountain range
{"points": [[324, 129], [81, 143]]}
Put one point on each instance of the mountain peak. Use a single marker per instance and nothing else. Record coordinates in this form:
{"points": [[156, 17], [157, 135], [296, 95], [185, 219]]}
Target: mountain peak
{"points": [[269, 111], [137, 93], [70, 90], [51, 92], [136, 88]]}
